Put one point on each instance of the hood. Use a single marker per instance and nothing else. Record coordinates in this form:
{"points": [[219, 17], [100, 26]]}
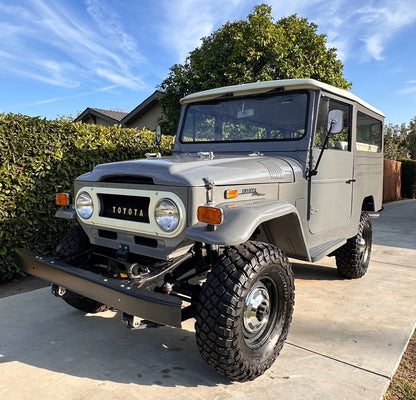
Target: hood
{"points": [[190, 169]]}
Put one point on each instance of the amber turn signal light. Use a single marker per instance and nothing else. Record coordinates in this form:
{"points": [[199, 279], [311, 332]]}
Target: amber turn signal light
{"points": [[63, 199], [210, 215], [231, 194]]}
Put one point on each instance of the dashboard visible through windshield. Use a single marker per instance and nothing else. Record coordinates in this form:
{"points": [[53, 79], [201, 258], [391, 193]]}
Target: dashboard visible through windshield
{"points": [[263, 117]]}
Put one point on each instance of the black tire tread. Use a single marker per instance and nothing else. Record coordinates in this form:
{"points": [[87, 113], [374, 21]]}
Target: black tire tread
{"points": [[220, 308], [73, 246], [348, 256], [74, 242]]}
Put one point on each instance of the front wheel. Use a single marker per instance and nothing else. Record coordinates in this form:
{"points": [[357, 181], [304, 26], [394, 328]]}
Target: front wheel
{"points": [[74, 249], [245, 310], [353, 257]]}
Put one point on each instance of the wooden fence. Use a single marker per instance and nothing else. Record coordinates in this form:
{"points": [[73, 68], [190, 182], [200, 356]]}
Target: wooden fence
{"points": [[392, 182]]}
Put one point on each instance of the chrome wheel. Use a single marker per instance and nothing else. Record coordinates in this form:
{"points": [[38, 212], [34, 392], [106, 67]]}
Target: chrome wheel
{"points": [[363, 247], [244, 310], [260, 311]]}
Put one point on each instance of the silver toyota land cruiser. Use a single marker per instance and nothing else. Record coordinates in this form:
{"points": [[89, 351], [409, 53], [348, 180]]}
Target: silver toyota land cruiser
{"points": [[259, 173]]}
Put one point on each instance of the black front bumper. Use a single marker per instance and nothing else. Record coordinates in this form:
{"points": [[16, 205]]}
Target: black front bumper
{"points": [[152, 306]]}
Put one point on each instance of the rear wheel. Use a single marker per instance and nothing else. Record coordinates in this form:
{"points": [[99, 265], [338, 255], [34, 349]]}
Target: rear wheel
{"points": [[245, 310], [354, 256], [74, 249]]}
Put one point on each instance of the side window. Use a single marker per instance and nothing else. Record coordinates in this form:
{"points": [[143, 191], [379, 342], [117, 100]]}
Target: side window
{"points": [[369, 133], [340, 141]]}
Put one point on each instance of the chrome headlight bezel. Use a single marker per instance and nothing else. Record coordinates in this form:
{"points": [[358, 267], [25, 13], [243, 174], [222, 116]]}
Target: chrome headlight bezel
{"points": [[167, 215], [84, 205]]}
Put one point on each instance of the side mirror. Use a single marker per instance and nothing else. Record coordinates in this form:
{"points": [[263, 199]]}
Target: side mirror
{"points": [[335, 125], [335, 121], [158, 135]]}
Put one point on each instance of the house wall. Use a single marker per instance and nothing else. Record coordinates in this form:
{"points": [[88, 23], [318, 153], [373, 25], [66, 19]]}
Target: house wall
{"points": [[99, 121], [96, 121], [149, 119]]}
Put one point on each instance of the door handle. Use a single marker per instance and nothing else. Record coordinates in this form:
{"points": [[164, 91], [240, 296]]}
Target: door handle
{"points": [[350, 181]]}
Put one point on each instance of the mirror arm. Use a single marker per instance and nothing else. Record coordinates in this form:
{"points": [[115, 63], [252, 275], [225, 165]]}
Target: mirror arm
{"points": [[159, 138], [314, 171]]}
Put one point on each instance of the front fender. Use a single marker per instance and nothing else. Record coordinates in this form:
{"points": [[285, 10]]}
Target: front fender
{"points": [[279, 223]]}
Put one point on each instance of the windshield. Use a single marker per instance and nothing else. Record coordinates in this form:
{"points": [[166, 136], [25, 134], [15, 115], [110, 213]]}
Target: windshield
{"points": [[256, 118]]}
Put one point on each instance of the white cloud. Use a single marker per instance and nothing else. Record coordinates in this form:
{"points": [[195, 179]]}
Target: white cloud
{"points": [[359, 29], [378, 25], [119, 79], [63, 44], [55, 99], [187, 21], [374, 46], [110, 25], [55, 76], [50, 43], [411, 88]]}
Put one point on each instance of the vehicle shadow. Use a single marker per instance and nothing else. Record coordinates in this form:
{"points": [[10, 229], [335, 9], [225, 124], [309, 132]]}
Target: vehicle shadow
{"points": [[315, 272], [98, 347]]}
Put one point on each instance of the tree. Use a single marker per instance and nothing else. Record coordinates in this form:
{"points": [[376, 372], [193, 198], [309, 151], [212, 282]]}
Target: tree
{"points": [[395, 142], [256, 49], [411, 139]]}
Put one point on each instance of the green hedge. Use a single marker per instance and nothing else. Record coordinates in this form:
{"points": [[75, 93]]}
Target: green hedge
{"points": [[39, 158], [409, 179]]}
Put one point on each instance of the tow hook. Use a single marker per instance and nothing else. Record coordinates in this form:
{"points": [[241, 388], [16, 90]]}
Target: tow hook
{"points": [[58, 291], [132, 322]]}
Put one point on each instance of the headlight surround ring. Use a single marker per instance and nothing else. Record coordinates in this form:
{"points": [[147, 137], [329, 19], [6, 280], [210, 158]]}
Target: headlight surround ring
{"points": [[167, 215], [84, 205]]}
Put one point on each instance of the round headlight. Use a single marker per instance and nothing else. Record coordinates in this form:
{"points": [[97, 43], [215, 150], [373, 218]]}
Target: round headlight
{"points": [[84, 205], [167, 215]]}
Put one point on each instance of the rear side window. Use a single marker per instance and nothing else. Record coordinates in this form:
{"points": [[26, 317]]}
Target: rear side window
{"points": [[369, 133]]}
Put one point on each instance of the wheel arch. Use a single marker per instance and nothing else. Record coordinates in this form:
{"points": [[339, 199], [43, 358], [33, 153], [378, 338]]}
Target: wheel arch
{"points": [[277, 223], [286, 233], [368, 204]]}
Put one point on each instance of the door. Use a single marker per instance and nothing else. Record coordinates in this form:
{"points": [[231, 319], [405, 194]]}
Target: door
{"points": [[331, 192]]}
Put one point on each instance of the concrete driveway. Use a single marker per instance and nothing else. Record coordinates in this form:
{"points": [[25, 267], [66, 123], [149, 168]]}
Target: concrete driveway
{"points": [[345, 342]]}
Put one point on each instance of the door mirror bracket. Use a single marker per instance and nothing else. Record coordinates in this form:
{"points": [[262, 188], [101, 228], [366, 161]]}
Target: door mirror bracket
{"points": [[335, 125]]}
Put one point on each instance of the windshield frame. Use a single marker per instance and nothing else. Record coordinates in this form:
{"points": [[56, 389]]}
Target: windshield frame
{"points": [[241, 99]]}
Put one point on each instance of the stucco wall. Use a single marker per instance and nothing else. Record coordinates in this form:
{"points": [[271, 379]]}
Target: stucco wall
{"points": [[148, 120]]}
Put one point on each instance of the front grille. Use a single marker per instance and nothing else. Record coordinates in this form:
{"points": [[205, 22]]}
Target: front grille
{"points": [[130, 179], [128, 208]]}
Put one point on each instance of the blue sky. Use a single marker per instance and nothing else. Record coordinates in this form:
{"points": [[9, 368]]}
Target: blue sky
{"points": [[58, 57]]}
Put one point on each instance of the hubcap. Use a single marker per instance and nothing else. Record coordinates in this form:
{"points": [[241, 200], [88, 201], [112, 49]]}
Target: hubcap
{"points": [[362, 245], [257, 310], [363, 248]]}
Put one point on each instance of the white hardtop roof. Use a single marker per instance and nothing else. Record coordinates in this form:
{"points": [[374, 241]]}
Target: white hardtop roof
{"points": [[262, 87]]}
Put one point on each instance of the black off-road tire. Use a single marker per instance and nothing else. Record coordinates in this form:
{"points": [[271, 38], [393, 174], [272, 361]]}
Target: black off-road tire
{"points": [[353, 257], [73, 249], [74, 246], [245, 310]]}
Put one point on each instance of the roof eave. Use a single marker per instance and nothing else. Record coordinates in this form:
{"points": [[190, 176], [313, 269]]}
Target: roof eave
{"points": [[150, 101]]}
